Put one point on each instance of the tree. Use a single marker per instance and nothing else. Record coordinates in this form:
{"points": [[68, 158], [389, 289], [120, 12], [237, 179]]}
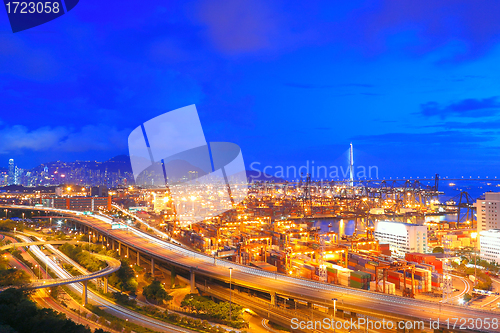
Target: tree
{"points": [[219, 312], [124, 299], [22, 315], [13, 277], [55, 292], [467, 298], [156, 292], [438, 249], [124, 278]]}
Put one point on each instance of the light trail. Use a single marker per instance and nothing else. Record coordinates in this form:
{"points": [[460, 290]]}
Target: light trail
{"points": [[390, 307]]}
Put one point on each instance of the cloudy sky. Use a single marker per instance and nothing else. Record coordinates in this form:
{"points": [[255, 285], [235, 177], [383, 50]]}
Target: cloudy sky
{"points": [[414, 85]]}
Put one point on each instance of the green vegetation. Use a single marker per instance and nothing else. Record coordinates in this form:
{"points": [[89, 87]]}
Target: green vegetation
{"points": [[124, 279], [438, 249], [9, 225], [156, 293], [148, 277], [55, 292], [82, 257], [490, 266], [150, 311], [124, 299], [138, 269], [60, 235], [205, 308], [484, 280], [18, 255], [19, 314], [467, 298], [11, 276]]}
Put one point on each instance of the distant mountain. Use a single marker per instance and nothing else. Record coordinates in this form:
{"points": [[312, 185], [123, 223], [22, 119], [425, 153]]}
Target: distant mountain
{"points": [[83, 172], [120, 158], [118, 163]]}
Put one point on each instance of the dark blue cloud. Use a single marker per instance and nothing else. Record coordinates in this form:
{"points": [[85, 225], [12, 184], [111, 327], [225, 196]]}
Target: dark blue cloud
{"points": [[326, 86], [423, 139], [471, 125], [470, 108]]}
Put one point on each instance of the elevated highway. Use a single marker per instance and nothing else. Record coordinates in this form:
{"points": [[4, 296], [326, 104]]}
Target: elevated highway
{"points": [[374, 304], [113, 265], [96, 299]]}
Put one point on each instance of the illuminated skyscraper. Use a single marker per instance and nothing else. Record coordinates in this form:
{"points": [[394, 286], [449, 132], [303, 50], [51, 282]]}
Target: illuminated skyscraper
{"points": [[12, 172]]}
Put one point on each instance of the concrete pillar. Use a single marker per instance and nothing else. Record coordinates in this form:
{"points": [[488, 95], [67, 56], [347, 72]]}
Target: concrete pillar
{"points": [[193, 282], [128, 252], [119, 249], [273, 298], [152, 266], [105, 284], [172, 277], [84, 293], [138, 259], [112, 244]]}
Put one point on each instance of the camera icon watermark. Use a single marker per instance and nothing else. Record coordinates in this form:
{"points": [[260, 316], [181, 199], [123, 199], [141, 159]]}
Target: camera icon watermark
{"points": [[200, 179]]}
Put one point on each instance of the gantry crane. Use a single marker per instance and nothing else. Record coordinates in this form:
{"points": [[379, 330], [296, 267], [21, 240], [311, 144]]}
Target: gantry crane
{"points": [[396, 267]]}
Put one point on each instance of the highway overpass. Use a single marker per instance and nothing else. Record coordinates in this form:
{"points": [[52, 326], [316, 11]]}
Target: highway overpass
{"points": [[113, 265], [130, 241]]}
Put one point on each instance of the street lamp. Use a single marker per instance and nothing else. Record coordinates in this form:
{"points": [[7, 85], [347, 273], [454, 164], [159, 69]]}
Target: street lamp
{"points": [[474, 236], [334, 312], [89, 240], [230, 294]]}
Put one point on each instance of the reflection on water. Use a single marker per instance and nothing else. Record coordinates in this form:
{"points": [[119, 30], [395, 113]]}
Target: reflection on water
{"points": [[346, 227], [340, 226]]}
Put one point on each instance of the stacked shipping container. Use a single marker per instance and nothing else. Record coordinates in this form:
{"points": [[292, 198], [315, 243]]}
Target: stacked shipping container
{"points": [[360, 280]]}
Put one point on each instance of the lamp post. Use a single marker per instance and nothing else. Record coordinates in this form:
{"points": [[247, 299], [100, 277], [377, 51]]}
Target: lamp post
{"points": [[230, 294], [334, 312], [474, 236]]}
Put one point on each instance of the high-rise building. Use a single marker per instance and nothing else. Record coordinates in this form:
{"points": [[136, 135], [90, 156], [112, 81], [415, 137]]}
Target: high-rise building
{"points": [[18, 175], [490, 245], [402, 237], [99, 191], [487, 212], [12, 172]]}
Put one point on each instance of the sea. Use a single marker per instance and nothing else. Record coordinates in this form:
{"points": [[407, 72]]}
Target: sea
{"points": [[451, 191]]}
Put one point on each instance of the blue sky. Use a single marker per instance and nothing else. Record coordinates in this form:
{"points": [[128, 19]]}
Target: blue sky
{"points": [[413, 84]]}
